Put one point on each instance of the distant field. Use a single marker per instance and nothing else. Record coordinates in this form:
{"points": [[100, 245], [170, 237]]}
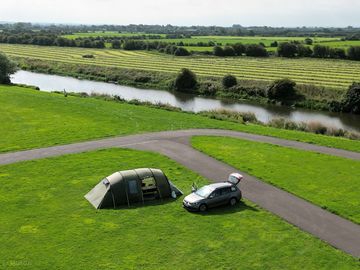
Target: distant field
{"points": [[223, 40], [322, 72]]}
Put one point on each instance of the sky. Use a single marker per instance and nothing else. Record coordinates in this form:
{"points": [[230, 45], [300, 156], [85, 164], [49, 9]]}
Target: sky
{"points": [[337, 13]]}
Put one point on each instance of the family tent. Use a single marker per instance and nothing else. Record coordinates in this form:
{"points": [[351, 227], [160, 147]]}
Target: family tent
{"points": [[131, 186]]}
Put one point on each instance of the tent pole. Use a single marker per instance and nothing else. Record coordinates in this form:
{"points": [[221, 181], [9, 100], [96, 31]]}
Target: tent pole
{"points": [[142, 193], [126, 188]]}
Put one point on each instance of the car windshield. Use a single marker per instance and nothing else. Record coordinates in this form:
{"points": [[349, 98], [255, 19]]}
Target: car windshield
{"points": [[204, 191]]}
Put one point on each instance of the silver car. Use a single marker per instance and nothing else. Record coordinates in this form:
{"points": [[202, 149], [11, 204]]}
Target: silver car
{"points": [[213, 195]]}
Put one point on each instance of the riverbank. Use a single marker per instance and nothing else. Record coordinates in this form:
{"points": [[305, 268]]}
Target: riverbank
{"points": [[43, 119], [310, 96]]}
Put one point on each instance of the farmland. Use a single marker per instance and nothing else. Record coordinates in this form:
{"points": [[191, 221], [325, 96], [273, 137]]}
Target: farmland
{"points": [[46, 223], [327, 73]]}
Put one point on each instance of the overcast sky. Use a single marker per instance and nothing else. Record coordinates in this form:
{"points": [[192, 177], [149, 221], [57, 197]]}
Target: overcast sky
{"points": [[185, 12]]}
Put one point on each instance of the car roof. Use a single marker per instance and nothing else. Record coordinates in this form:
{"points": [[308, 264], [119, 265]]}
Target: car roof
{"points": [[220, 185]]}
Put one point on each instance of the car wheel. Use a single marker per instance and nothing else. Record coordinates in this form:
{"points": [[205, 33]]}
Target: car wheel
{"points": [[203, 208], [233, 201]]}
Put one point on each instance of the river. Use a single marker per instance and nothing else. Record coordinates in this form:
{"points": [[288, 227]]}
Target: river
{"points": [[186, 102]]}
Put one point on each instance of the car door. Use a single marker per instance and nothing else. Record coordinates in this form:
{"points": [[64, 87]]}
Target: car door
{"points": [[215, 198]]}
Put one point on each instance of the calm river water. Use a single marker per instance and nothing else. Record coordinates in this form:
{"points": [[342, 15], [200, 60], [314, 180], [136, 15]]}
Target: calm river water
{"points": [[184, 101]]}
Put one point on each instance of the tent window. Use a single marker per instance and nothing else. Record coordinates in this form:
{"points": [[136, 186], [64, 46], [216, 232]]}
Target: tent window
{"points": [[133, 189]]}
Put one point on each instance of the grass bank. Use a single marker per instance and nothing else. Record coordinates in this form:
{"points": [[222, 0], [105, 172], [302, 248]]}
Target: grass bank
{"points": [[32, 119], [330, 182], [46, 223]]}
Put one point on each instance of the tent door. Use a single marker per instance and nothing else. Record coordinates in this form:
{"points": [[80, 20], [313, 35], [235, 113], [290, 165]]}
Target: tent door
{"points": [[149, 188]]}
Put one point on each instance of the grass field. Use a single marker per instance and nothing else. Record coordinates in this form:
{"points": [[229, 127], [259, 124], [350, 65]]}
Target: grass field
{"points": [[37, 119], [330, 182], [46, 223], [328, 73]]}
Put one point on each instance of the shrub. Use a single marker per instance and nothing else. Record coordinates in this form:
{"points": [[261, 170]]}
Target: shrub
{"points": [[239, 49], [208, 88], [287, 49], [185, 81], [7, 67], [229, 51], [354, 53], [256, 50], [229, 81], [181, 52], [351, 102], [282, 90], [316, 127], [218, 51]]}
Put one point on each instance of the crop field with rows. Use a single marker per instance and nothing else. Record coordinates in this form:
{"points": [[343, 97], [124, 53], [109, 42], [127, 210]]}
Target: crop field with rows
{"points": [[321, 72]]}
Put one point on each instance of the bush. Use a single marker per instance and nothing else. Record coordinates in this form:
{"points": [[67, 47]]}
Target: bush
{"points": [[208, 88], [218, 51], [229, 81], [316, 127], [181, 52], [239, 49], [229, 51], [7, 67], [185, 81], [354, 53], [351, 102], [256, 50], [287, 49], [282, 90]]}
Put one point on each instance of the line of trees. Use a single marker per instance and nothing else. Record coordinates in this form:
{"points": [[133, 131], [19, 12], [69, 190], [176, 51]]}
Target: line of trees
{"points": [[292, 49], [48, 39]]}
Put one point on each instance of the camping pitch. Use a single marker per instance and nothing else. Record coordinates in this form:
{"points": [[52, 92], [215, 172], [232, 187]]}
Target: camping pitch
{"points": [[126, 187]]}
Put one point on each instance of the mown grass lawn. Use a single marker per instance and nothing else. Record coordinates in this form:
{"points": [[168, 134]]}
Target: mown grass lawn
{"points": [[328, 181], [46, 223], [31, 119]]}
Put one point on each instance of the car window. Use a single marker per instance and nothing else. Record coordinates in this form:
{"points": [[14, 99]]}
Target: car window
{"points": [[216, 193], [233, 188], [226, 190]]}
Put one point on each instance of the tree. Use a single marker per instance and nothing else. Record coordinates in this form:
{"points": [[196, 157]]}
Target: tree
{"points": [[256, 50], [229, 51], [185, 81], [287, 49], [181, 52], [283, 89], [7, 67], [218, 51], [354, 53], [274, 44], [308, 41], [351, 102], [321, 51], [239, 48], [116, 44], [304, 51], [229, 81]]}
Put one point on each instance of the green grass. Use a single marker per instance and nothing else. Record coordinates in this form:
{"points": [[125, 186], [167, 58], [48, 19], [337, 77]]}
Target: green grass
{"points": [[46, 223], [321, 72], [328, 181], [32, 119]]}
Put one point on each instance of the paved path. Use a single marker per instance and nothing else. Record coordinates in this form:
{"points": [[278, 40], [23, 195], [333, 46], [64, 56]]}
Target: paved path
{"points": [[331, 228]]}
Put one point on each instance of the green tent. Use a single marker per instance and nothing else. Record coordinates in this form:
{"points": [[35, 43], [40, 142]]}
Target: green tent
{"points": [[132, 186]]}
